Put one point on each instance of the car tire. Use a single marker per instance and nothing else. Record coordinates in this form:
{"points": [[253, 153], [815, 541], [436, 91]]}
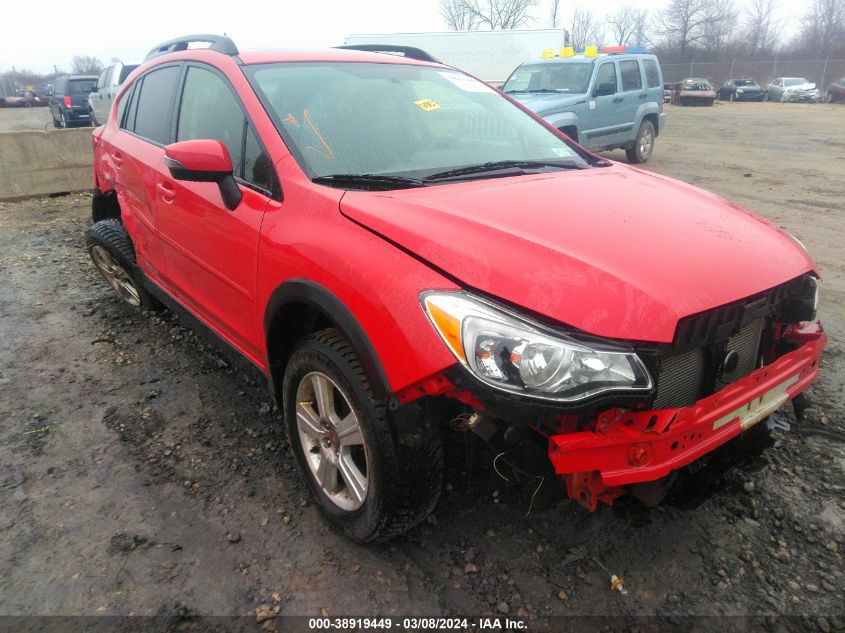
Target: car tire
{"points": [[63, 120], [783, 98], [373, 476], [110, 248], [732, 97], [643, 145]]}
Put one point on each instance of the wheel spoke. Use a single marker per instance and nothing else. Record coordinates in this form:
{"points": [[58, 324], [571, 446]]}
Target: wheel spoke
{"points": [[349, 431], [323, 395], [309, 421], [327, 475], [354, 479]]}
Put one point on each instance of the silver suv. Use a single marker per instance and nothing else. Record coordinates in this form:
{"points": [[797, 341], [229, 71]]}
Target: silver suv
{"points": [[108, 82], [603, 101]]}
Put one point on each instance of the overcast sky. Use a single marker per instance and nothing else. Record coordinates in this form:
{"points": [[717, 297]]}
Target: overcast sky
{"points": [[37, 34]]}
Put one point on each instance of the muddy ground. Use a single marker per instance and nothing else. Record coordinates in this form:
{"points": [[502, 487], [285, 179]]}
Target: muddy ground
{"points": [[141, 473]]}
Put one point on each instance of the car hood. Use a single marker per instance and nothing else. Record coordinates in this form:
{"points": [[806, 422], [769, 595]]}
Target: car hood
{"points": [[612, 251], [547, 102], [806, 86]]}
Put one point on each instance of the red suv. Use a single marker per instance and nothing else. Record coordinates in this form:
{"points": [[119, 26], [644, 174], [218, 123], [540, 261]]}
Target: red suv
{"points": [[398, 247]]}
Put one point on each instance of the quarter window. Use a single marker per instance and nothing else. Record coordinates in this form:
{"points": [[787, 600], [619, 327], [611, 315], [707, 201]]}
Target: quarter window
{"points": [[153, 104], [256, 162], [652, 74], [630, 72]]}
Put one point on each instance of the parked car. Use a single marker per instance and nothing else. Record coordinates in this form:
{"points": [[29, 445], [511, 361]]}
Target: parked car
{"points": [[785, 89], [742, 89], [668, 88], [108, 82], [603, 102], [836, 91], [69, 100], [694, 91], [400, 248], [24, 99]]}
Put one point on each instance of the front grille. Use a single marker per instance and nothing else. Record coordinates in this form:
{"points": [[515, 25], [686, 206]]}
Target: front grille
{"points": [[697, 373]]}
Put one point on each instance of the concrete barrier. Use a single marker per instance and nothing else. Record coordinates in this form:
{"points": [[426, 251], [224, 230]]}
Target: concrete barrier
{"points": [[42, 162]]}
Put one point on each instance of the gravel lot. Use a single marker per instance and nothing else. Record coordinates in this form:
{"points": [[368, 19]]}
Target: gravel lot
{"points": [[141, 473]]}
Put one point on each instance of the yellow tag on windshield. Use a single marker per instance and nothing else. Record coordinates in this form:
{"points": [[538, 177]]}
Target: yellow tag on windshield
{"points": [[427, 104]]}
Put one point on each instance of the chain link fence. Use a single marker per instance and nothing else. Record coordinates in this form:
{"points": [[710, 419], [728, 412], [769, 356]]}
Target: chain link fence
{"points": [[823, 72]]}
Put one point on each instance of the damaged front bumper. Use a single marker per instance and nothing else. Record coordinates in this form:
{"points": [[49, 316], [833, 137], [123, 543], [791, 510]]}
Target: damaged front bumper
{"points": [[629, 447]]}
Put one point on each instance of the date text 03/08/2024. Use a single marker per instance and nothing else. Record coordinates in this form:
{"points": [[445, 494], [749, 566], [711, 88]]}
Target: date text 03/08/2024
{"points": [[410, 624]]}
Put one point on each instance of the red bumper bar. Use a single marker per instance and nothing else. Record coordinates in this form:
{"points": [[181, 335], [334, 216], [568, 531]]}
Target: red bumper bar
{"points": [[636, 446]]}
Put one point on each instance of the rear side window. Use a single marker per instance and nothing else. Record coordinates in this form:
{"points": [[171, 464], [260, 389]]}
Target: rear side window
{"points": [[210, 110], [606, 76], [81, 86], [153, 104], [630, 72], [652, 73], [59, 87]]}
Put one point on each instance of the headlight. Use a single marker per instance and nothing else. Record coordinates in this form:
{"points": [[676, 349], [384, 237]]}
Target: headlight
{"points": [[511, 353], [739, 91]]}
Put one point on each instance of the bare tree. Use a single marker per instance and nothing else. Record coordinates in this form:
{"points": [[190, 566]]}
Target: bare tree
{"points": [[823, 31], [625, 24], [686, 22], [585, 29], [458, 15], [761, 26], [554, 14], [721, 24], [501, 14], [86, 65]]}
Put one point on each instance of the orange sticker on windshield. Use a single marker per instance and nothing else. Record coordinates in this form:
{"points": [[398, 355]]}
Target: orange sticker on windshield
{"points": [[427, 104]]}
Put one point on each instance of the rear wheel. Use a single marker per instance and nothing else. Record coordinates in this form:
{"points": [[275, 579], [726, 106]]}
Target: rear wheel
{"points": [[643, 144], [63, 123], [371, 478], [112, 252]]}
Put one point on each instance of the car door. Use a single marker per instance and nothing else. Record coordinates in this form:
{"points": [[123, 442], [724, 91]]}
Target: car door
{"points": [[602, 122], [633, 93], [136, 160], [212, 252], [776, 89], [95, 100]]}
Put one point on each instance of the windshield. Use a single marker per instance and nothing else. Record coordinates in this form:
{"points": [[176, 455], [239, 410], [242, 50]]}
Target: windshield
{"points": [[369, 118], [572, 78], [794, 81], [81, 86], [745, 82], [697, 84]]}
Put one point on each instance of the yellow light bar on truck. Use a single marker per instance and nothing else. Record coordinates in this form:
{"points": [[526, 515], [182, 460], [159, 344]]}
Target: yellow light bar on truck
{"points": [[591, 51], [548, 53], [567, 51]]}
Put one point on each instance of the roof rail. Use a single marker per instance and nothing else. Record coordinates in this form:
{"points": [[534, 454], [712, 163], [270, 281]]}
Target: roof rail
{"points": [[219, 43], [411, 52]]}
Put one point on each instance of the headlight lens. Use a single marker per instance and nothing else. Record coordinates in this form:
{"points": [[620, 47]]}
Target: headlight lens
{"points": [[516, 355]]}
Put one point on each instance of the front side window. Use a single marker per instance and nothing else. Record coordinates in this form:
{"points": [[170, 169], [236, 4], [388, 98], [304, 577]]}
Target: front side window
{"points": [[571, 78], [153, 104], [606, 79], [209, 110], [101, 79], [366, 118], [629, 70]]}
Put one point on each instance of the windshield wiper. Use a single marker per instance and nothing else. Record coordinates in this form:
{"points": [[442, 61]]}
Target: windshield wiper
{"points": [[376, 182], [502, 165]]}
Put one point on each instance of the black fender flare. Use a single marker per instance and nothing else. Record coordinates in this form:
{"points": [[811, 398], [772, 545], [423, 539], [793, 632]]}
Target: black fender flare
{"points": [[317, 296]]}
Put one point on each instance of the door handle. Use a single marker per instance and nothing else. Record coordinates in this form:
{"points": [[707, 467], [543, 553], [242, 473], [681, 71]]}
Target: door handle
{"points": [[619, 100], [643, 96], [117, 158], [166, 192]]}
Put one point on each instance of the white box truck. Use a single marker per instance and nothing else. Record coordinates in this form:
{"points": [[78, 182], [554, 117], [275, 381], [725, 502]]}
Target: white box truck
{"points": [[489, 55]]}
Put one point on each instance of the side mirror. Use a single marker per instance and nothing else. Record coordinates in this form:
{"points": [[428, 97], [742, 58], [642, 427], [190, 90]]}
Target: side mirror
{"points": [[204, 160], [603, 90]]}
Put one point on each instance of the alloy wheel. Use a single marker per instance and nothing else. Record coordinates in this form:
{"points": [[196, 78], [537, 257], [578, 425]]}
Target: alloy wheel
{"points": [[116, 275], [646, 143], [332, 440]]}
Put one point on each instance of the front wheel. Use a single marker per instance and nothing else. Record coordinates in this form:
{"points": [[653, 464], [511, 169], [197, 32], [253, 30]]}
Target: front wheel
{"points": [[372, 477], [643, 144]]}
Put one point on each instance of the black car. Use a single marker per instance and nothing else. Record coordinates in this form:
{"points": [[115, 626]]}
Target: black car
{"points": [[741, 89], [69, 101]]}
